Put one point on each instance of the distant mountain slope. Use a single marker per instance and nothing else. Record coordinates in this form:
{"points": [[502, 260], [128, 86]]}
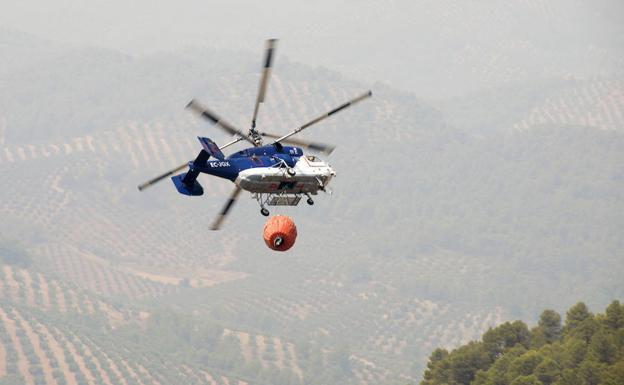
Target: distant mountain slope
{"points": [[434, 47], [21, 51], [596, 103]]}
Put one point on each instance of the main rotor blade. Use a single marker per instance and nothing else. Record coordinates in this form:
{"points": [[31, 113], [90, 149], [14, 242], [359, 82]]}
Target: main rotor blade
{"points": [[224, 212], [161, 177], [326, 115], [228, 144], [264, 80], [214, 118], [314, 146]]}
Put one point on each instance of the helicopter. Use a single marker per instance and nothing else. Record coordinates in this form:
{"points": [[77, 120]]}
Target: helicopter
{"points": [[276, 174]]}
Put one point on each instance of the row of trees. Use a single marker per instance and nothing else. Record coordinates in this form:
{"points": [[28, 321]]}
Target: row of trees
{"points": [[587, 350]]}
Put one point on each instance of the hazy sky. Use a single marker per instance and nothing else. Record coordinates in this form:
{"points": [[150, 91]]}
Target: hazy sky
{"points": [[430, 47]]}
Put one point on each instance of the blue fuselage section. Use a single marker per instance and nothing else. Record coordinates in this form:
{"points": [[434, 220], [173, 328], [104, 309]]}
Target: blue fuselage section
{"points": [[253, 157]]}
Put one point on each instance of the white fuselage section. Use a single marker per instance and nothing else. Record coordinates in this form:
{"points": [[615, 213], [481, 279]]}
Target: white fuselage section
{"points": [[310, 175]]}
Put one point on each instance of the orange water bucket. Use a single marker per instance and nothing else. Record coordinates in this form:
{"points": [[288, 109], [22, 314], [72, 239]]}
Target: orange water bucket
{"points": [[280, 233]]}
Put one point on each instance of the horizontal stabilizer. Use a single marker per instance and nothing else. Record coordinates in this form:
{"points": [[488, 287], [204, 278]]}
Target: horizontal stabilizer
{"points": [[195, 190], [211, 147]]}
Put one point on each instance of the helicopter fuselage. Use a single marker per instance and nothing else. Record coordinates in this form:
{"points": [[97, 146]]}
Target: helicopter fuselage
{"points": [[266, 169]]}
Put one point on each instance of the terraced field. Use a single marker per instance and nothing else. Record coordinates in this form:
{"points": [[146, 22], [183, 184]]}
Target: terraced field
{"points": [[97, 275], [42, 354], [38, 345], [268, 351], [35, 290], [595, 103]]}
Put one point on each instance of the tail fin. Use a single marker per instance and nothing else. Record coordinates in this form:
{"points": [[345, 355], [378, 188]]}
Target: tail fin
{"points": [[211, 147], [187, 183], [193, 188]]}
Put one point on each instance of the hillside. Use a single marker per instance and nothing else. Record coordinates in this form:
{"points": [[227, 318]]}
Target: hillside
{"points": [[471, 226], [586, 349], [54, 333]]}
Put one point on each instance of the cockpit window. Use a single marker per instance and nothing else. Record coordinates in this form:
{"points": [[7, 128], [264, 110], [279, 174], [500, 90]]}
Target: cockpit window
{"points": [[311, 158]]}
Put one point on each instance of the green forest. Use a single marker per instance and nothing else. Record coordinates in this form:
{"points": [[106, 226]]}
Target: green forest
{"points": [[588, 349]]}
